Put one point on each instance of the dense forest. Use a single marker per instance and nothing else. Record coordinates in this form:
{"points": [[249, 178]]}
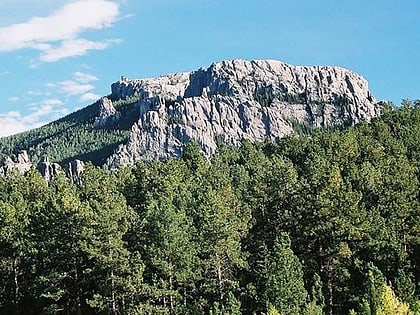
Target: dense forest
{"points": [[74, 136], [327, 223]]}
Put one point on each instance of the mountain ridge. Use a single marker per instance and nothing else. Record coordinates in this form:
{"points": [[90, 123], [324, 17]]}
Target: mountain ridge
{"points": [[229, 101], [235, 100]]}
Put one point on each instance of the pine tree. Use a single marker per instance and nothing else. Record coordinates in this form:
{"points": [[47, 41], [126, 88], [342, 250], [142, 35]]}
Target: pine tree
{"points": [[164, 234], [61, 261], [221, 224], [380, 299], [116, 272], [285, 287]]}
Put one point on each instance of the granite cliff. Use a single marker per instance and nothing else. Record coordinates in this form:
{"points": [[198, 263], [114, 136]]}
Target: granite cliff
{"points": [[227, 102], [235, 100]]}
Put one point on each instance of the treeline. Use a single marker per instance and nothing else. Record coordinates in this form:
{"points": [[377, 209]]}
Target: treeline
{"points": [[66, 139], [323, 224]]}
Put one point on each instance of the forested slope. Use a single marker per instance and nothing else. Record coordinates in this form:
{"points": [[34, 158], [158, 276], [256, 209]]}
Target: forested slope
{"points": [[322, 224], [69, 138]]}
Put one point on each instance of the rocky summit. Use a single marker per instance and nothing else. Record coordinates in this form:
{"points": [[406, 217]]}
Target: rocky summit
{"points": [[235, 100], [228, 102]]}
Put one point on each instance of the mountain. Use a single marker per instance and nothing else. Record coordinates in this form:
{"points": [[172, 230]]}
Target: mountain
{"points": [[228, 102]]}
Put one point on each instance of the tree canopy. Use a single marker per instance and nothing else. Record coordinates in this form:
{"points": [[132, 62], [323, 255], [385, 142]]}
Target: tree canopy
{"points": [[327, 223]]}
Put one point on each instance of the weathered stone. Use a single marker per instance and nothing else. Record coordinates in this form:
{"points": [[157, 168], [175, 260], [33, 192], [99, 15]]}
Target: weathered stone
{"points": [[21, 163], [236, 100], [107, 113], [48, 170], [74, 170], [22, 157]]}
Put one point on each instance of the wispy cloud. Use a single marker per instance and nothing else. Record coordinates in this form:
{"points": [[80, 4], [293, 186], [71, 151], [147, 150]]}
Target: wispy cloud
{"points": [[13, 99], [40, 113], [58, 35], [80, 84], [71, 88], [89, 97], [73, 47], [84, 77], [34, 93]]}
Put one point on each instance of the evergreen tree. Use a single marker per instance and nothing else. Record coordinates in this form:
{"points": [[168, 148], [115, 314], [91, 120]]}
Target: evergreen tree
{"points": [[116, 272], [14, 245], [56, 226], [164, 234], [221, 223], [380, 299], [285, 287]]}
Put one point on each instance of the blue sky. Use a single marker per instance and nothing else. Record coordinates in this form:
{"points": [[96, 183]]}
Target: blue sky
{"points": [[60, 55]]}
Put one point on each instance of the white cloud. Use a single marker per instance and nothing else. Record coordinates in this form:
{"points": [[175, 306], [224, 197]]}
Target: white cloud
{"points": [[34, 93], [57, 36], [71, 88], [72, 48], [84, 77], [89, 97], [40, 113], [13, 99], [80, 84], [12, 124]]}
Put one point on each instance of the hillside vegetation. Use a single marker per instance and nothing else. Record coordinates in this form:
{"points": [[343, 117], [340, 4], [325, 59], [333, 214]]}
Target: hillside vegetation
{"points": [[69, 138], [327, 223]]}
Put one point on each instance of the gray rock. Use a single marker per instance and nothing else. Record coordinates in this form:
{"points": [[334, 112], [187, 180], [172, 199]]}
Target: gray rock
{"points": [[236, 100], [48, 170], [22, 157], [107, 113], [21, 163], [74, 170], [8, 166]]}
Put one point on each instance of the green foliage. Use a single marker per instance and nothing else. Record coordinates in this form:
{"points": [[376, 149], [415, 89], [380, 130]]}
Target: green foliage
{"points": [[379, 298], [272, 311], [313, 309], [232, 307], [390, 305], [164, 232], [264, 95], [285, 288], [334, 214], [71, 137]]}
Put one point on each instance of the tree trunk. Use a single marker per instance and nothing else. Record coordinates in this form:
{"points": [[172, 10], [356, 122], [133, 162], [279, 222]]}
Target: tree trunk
{"points": [[330, 291], [171, 298], [76, 281], [113, 302], [220, 280], [113, 299], [15, 268]]}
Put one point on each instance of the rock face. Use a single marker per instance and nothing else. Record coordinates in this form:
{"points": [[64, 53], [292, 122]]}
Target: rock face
{"points": [[21, 163], [235, 100], [74, 170], [107, 113], [48, 170]]}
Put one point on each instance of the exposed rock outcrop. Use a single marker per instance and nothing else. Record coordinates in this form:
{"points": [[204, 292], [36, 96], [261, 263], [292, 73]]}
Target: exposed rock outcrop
{"points": [[228, 102], [235, 100], [74, 170], [107, 113], [20, 163], [49, 170]]}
